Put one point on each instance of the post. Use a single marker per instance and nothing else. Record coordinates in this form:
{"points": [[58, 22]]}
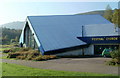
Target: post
{"points": [[82, 36], [82, 32], [83, 51]]}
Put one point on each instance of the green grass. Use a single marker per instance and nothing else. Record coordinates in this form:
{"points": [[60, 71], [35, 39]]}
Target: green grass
{"points": [[0, 69], [18, 70], [5, 47], [1, 49], [4, 57]]}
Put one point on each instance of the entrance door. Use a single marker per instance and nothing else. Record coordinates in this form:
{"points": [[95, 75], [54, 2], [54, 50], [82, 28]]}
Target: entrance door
{"points": [[99, 48]]}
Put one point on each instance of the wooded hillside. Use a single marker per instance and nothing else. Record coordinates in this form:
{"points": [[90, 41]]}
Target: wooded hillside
{"points": [[9, 35], [112, 15]]}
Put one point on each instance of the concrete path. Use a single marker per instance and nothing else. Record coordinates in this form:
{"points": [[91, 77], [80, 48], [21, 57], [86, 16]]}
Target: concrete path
{"points": [[1, 54], [95, 65]]}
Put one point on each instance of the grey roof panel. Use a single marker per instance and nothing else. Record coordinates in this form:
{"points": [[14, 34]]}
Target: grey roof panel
{"points": [[100, 30], [56, 32]]}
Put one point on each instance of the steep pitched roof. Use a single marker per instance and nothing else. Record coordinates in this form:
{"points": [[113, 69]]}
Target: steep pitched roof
{"points": [[57, 32]]}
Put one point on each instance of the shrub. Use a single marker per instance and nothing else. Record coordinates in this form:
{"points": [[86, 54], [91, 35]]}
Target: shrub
{"points": [[115, 58], [25, 53], [11, 50], [13, 55], [16, 45], [45, 57], [53, 56], [116, 55], [15, 49], [29, 57], [29, 54], [110, 63], [21, 57], [25, 49], [113, 62], [7, 51], [32, 54], [20, 49], [38, 58]]}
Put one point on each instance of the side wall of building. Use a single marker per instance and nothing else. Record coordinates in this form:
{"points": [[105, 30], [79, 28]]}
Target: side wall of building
{"points": [[89, 50], [86, 51], [71, 53]]}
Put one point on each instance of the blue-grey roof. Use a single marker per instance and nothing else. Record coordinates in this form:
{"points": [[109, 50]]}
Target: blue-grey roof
{"points": [[57, 32]]}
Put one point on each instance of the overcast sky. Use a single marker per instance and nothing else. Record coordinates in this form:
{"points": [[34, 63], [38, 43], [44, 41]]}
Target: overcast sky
{"points": [[18, 11]]}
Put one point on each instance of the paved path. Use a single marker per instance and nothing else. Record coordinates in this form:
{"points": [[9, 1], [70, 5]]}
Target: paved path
{"points": [[95, 65], [0, 54]]}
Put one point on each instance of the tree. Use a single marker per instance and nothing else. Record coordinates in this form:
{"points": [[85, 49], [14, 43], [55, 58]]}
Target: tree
{"points": [[6, 37], [8, 34], [16, 39], [13, 40], [108, 13], [116, 17]]}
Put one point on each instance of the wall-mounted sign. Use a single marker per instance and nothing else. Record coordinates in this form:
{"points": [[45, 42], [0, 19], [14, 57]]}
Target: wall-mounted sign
{"points": [[101, 39]]}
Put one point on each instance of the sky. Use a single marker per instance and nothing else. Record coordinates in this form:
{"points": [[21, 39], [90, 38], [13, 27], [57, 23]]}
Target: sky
{"points": [[11, 11]]}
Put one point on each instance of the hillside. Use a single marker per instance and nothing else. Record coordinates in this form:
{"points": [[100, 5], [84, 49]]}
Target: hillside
{"points": [[101, 12], [13, 25]]}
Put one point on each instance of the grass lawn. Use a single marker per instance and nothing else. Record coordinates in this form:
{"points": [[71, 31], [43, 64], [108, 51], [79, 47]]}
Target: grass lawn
{"points": [[1, 49], [0, 68], [5, 47], [18, 70]]}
